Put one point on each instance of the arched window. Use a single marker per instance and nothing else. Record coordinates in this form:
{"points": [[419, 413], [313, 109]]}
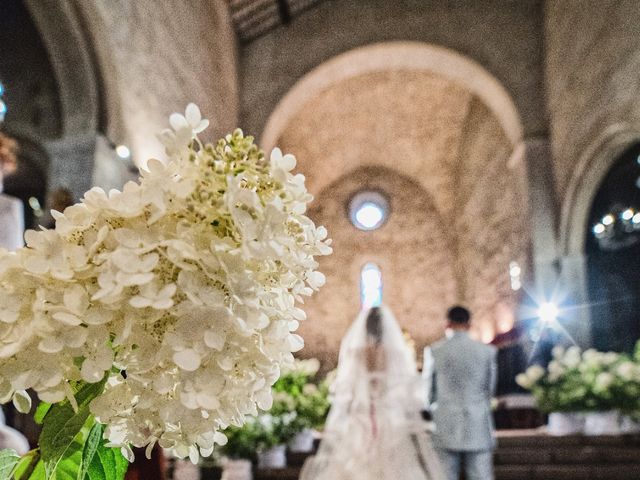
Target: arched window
{"points": [[371, 286]]}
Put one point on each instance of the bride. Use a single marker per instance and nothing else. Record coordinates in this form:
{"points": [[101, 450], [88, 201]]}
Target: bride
{"points": [[374, 429]]}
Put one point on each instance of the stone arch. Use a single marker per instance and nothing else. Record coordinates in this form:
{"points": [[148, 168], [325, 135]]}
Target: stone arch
{"points": [[99, 46], [71, 59], [411, 56], [592, 167], [439, 119], [88, 103]]}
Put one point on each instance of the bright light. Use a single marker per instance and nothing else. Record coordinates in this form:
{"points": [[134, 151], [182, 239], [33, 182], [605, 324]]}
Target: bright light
{"points": [[368, 210], [636, 218], [3, 110], [505, 317], [371, 286], [123, 152], [514, 272], [514, 269], [548, 312], [607, 219], [598, 229], [1, 89], [627, 214], [487, 335], [369, 215]]}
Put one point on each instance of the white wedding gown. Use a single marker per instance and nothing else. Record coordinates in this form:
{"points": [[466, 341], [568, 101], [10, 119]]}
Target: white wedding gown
{"points": [[374, 429]]}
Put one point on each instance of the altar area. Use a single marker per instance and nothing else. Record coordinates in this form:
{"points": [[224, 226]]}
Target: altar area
{"points": [[531, 454]]}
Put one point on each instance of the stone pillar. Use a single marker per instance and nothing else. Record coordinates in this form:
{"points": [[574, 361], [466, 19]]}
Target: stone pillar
{"points": [[71, 163], [558, 278], [542, 214], [109, 170], [573, 282]]}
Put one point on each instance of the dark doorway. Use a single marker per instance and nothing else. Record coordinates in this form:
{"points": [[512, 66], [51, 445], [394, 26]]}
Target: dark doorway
{"points": [[613, 256]]}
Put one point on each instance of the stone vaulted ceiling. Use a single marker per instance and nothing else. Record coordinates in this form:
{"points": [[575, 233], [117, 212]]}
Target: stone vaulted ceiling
{"points": [[456, 200], [411, 122]]}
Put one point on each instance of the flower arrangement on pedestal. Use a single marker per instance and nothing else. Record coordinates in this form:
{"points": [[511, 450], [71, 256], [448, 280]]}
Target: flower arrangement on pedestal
{"points": [[310, 398], [162, 313], [587, 381], [299, 404]]}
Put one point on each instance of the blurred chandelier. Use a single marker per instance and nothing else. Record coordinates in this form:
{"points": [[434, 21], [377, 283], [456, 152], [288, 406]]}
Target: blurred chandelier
{"points": [[620, 228]]}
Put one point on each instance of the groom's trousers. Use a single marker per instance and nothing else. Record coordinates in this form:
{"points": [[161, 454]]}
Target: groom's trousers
{"points": [[477, 465]]}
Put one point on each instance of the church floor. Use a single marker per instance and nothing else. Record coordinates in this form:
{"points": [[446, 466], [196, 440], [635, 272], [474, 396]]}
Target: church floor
{"points": [[533, 455]]}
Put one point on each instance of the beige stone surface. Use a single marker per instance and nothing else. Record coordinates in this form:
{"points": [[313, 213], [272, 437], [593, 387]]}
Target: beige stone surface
{"points": [[413, 251], [155, 58], [409, 121], [491, 220], [504, 36], [458, 206], [592, 67]]}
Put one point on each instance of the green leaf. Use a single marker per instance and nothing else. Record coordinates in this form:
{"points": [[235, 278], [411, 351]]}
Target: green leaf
{"points": [[91, 445], [96, 470], [108, 464], [41, 412], [69, 465], [30, 467], [8, 461], [122, 464], [62, 424]]}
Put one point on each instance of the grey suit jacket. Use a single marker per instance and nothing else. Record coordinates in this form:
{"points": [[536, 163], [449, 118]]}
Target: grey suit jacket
{"points": [[465, 375]]}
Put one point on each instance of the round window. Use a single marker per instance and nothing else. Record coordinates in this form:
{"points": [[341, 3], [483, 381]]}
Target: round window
{"points": [[368, 210]]}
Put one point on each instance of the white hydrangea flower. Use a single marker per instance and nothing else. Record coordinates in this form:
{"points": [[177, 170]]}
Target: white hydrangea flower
{"points": [[626, 370], [603, 381], [556, 370], [572, 357], [182, 289]]}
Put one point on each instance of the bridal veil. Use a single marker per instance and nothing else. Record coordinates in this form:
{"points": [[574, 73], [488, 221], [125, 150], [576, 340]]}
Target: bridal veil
{"points": [[374, 428]]}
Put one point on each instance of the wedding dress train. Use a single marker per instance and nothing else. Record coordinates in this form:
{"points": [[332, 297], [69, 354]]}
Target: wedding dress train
{"points": [[374, 429]]}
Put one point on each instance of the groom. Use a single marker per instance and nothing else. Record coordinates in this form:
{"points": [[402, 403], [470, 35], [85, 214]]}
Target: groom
{"points": [[462, 372]]}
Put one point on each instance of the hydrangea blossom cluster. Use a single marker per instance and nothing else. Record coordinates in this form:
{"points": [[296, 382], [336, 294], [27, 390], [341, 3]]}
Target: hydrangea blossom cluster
{"points": [[181, 289], [577, 380]]}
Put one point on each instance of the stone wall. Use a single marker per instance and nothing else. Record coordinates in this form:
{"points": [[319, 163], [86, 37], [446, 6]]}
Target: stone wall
{"points": [[413, 251], [592, 69], [458, 205], [408, 121], [491, 219], [154, 58], [505, 37]]}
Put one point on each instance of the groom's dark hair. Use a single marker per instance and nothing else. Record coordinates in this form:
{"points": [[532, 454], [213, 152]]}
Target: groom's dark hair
{"points": [[459, 315]]}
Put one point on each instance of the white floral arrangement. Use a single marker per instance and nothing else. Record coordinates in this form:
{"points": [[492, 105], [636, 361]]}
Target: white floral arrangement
{"points": [[579, 381], [308, 367], [165, 310]]}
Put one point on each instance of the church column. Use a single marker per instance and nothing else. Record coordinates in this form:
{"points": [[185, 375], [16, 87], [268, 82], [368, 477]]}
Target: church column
{"points": [[573, 281], [556, 277], [542, 210], [71, 163]]}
